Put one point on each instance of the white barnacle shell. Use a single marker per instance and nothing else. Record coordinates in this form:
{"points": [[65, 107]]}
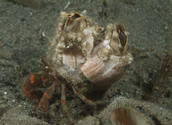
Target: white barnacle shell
{"points": [[101, 54]]}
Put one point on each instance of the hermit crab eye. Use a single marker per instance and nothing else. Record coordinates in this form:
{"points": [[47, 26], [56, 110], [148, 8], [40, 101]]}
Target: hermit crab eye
{"points": [[123, 38]]}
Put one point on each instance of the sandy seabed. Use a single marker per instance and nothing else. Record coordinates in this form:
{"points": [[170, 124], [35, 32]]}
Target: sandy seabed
{"points": [[24, 37]]}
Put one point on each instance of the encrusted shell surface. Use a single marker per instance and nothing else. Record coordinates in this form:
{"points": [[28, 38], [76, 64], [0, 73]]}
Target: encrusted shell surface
{"points": [[100, 54]]}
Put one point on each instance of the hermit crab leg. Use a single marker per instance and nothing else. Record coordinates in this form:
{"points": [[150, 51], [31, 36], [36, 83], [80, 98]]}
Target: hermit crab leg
{"points": [[44, 102], [85, 99], [31, 84], [63, 103]]}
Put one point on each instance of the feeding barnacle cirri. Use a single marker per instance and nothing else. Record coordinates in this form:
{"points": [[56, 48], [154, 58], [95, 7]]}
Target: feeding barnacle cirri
{"points": [[83, 56]]}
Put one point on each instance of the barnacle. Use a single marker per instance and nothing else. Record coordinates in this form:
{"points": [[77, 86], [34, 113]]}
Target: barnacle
{"points": [[123, 111], [127, 116]]}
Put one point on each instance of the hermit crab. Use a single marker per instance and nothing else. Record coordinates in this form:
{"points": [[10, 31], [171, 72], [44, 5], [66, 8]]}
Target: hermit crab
{"points": [[83, 56]]}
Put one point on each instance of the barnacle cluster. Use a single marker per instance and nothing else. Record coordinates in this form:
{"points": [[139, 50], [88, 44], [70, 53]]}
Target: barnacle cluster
{"points": [[100, 53]]}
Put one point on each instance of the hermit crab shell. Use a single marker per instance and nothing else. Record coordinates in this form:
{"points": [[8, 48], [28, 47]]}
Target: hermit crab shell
{"points": [[100, 54]]}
